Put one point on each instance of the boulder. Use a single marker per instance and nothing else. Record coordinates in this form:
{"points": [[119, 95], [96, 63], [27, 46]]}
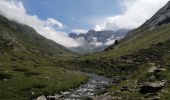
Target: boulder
{"points": [[152, 87], [41, 98]]}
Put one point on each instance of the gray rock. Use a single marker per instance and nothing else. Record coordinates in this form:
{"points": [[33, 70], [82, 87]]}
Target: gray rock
{"points": [[152, 95], [41, 98], [160, 70], [152, 87]]}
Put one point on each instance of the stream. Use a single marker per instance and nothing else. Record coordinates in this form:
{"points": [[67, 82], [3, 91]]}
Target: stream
{"points": [[94, 84]]}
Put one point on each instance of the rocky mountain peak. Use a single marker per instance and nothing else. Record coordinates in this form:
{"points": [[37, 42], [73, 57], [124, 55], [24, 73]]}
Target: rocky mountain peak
{"points": [[93, 41], [91, 32]]}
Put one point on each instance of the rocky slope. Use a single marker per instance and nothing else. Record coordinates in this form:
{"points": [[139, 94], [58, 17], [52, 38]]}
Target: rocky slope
{"points": [[161, 17]]}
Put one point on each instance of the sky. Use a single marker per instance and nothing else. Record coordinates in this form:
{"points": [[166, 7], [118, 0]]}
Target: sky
{"points": [[55, 19], [74, 14]]}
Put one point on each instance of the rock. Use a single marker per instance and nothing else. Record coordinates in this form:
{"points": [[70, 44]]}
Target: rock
{"points": [[152, 78], [159, 70], [152, 69], [5, 80], [156, 69], [153, 96], [41, 98], [116, 92], [56, 97], [152, 87], [66, 93], [125, 88], [32, 93]]}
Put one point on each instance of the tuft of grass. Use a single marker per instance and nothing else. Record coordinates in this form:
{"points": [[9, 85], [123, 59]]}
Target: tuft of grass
{"points": [[31, 73], [39, 85], [19, 69]]}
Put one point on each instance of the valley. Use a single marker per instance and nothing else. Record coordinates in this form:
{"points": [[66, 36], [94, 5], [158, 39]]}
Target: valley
{"points": [[135, 67]]}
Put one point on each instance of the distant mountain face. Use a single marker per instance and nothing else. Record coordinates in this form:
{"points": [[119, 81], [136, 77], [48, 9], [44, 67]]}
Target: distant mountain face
{"points": [[93, 41]]}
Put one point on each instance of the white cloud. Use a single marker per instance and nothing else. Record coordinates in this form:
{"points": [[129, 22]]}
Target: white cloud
{"points": [[135, 13], [14, 10], [79, 31], [53, 23]]}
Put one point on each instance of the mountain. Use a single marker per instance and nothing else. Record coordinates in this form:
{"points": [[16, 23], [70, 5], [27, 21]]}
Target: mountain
{"points": [[160, 18], [28, 64], [26, 37], [154, 30], [138, 64], [94, 41]]}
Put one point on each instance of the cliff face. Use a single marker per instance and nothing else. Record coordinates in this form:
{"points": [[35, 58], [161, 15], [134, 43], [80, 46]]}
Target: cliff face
{"points": [[161, 17]]}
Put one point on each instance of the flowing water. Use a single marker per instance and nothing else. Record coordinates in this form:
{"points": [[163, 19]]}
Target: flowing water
{"points": [[95, 83]]}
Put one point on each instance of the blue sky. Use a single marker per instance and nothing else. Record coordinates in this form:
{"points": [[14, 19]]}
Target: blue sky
{"points": [[74, 14]]}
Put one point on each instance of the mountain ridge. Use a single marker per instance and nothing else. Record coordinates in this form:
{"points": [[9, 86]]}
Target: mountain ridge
{"points": [[95, 41], [31, 37]]}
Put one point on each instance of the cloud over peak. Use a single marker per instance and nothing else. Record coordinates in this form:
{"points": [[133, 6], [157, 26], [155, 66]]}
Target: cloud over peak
{"points": [[78, 31], [135, 13], [14, 10]]}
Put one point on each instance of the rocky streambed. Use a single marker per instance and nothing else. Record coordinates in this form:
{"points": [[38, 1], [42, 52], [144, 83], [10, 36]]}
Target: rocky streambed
{"points": [[95, 84]]}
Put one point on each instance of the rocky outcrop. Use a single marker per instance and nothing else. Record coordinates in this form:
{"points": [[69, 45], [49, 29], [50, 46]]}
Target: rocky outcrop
{"points": [[152, 87]]}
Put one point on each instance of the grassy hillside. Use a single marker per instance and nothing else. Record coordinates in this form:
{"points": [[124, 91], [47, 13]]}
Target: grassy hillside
{"points": [[27, 67], [26, 37], [129, 72]]}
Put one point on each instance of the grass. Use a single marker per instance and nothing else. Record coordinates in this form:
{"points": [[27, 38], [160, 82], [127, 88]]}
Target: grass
{"points": [[132, 67], [27, 69], [31, 73], [51, 80], [28, 82]]}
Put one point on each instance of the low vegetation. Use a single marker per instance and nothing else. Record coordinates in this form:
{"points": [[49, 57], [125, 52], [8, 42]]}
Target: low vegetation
{"points": [[25, 68]]}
